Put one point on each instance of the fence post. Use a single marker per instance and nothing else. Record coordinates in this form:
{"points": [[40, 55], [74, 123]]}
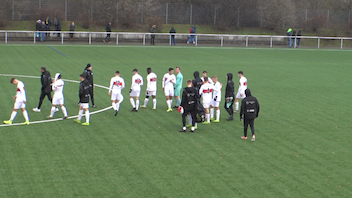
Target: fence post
{"points": [[215, 17], [90, 38], [34, 38], [117, 39], [295, 42], [327, 21], [196, 40], [62, 38], [247, 41], [190, 17], [6, 37], [167, 13], [306, 14], [66, 10], [144, 39], [222, 40], [271, 41], [341, 43], [318, 43]]}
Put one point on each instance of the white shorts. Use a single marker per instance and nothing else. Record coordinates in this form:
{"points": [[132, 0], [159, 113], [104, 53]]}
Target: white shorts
{"points": [[206, 104], [84, 105], [239, 96], [115, 96], [150, 93], [135, 93], [169, 92], [19, 105], [215, 103], [58, 100]]}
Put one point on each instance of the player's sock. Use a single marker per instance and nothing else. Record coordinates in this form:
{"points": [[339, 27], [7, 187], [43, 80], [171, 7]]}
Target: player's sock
{"points": [[53, 110], [189, 119], [218, 114], [178, 102], [117, 108], [80, 114], [170, 103], [237, 104], [132, 103], [13, 115], [113, 105], [64, 111], [25, 115], [146, 101], [208, 117], [154, 103], [211, 112], [87, 116], [192, 128], [184, 128], [137, 104]]}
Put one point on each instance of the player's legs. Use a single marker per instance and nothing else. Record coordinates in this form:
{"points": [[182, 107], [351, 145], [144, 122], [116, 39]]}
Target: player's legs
{"points": [[245, 127], [217, 113], [211, 112], [25, 114], [154, 102], [41, 98], [194, 118], [236, 104], [206, 107], [251, 124], [132, 103], [137, 103], [80, 113], [91, 89], [146, 100], [64, 110]]}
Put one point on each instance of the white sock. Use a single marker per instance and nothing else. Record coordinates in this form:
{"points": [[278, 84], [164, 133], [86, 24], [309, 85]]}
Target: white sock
{"points": [[117, 108], [13, 115], [80, 114], [192, 128], [25, 115], [113, 104], [154, 103], [87, 116], [132, 103], [189, 119], [146, 101], [169, 103], [184, 128], [218, 114], [53, 110], [137, 104], [64, 111], [196, 124], [211, 112], [237, 104], [208, 117]]}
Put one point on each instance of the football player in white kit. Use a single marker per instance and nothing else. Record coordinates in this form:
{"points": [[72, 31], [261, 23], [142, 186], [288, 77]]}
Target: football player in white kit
{"points": [[151, 88], [20, 102], [205, 74], [206, 91], [169, 80], [58, 98], [116, 85], [135, 91], [216, 100], [241, 89]]}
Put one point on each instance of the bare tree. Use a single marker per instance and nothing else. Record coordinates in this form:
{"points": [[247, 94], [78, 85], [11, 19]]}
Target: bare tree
{"points": [[277, 13]]}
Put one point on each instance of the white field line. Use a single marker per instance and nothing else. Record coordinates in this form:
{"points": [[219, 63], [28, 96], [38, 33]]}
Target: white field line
{"points": [[57, 119]]}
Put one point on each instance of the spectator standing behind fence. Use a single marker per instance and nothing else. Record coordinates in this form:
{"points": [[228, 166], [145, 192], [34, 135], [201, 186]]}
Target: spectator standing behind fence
{"points": [[299, 39], [192, 38], [289, 31], [293, 38], [57, 25], [108, 30], [172, 32], [72, 28], [37, 27], [152, 36], [42, 29], [47, 26]]}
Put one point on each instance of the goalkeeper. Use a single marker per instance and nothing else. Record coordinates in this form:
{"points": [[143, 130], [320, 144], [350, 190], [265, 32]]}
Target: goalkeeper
{"points": [[178, 86]]}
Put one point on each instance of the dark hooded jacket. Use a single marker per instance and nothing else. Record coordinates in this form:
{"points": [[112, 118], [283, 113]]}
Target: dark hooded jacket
{"points": [[189, 98], [249, 106], [197, 81], [45, 79], [84, 91], [230, 86], [88, 75]]}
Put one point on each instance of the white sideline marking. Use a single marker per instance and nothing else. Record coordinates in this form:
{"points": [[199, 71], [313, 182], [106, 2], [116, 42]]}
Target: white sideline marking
{"points": [[57, 119]]}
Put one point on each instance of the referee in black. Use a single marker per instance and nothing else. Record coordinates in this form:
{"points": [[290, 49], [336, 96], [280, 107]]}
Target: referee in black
{"points": [[45, 79], [88, 74], [250, 110], [189, 101]]}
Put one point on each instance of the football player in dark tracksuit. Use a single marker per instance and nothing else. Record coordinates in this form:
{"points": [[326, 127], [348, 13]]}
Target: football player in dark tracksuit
{"points": [[88, 75], [229, 95], [250, 110], [45, 79], [197, 83], [84, 87], [189, 99]]}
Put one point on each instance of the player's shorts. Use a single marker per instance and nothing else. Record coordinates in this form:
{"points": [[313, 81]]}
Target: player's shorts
{"points": [[239, 96], [19, 105], [150, 93], [178, 91], [206, 104], [135, 93], [115, 96], [58, 100], [169, 92], [215, 103], [84, 105]]}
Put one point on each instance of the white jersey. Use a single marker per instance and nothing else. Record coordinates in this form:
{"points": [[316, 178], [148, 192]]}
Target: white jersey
{"points": [[21, 93], [116, 85], [217, 91], [58, 87], [137, 82], [242, 86], [206, 91], [169, 81], [209, 80], [151, 84]]}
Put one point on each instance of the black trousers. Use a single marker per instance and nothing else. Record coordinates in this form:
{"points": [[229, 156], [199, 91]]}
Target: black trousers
{"points": [[107, 38], [91, 93], [42, 96], [249, 122], [230, 109], [193, 115], [152, 40]]}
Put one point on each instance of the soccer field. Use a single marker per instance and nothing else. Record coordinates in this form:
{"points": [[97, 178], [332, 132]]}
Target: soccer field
{"points": [[303, 133]]}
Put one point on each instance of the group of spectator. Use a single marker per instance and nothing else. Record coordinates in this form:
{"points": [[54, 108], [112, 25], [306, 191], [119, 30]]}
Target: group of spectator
{"points": [[45, 25], [291, 37], [191, 39]]}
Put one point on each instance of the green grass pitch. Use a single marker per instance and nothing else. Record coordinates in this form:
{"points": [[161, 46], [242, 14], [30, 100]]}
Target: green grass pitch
{"points": [[303, 145]]}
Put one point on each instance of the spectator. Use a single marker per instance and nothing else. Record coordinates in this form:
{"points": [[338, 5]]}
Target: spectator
{"points": [[172, 32], [152, 36], [47, 26], [72, 28], [42, 29], [299, 39], [57, 24], [190, 35], [38, 24], [293, 38], [289, 31], [108, 30]]}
